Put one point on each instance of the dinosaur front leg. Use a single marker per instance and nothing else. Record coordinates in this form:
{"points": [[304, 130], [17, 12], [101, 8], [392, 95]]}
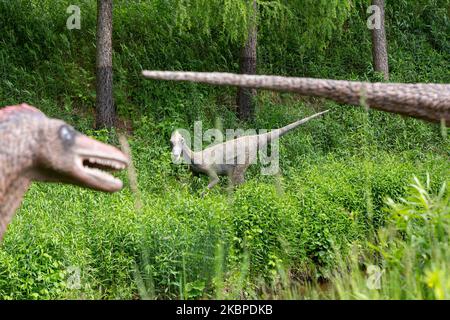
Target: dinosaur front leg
{"points": [[213, 180]]}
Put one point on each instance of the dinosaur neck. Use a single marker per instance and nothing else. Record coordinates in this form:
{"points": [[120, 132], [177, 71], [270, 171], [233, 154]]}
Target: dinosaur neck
{"points": [[16, 161], [430, 102], [13, 185], [10, 201], [188, 154]]}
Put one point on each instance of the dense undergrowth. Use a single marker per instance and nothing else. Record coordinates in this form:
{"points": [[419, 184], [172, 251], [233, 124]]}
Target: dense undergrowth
{"points": [[323, 219]]}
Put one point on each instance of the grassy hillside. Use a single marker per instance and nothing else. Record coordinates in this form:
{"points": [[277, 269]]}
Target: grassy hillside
{"points": [[299, 227]]}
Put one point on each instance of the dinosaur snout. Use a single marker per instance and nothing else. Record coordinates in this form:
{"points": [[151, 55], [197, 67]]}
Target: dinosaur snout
{"points": [[176, 154]]}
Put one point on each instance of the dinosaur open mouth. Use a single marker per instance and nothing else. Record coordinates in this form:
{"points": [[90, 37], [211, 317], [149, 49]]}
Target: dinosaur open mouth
{"points": [[94, 163], [99, 168]]}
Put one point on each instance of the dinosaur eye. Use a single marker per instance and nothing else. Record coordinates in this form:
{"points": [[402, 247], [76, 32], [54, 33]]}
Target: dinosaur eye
{"points": [[66, 134]]}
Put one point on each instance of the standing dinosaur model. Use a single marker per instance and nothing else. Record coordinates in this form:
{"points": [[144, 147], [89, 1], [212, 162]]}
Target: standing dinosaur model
{"points": [[430, 102], [232, 157], [34, 147]]}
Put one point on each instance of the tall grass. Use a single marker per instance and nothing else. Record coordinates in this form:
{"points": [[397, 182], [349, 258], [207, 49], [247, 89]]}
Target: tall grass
{"points": [[410, 255], [407, 258]]}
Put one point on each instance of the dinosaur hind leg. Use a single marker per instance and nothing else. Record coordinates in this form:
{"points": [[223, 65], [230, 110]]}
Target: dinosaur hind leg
{"points": [[238, 174]]}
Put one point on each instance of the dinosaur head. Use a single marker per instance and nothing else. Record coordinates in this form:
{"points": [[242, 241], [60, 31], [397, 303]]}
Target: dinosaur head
{"points": [[71, 157], [178, 142], [54, 151]]}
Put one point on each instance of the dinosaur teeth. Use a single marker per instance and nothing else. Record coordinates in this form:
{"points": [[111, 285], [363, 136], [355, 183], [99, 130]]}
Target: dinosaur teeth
{"points": [[97, 169], [101, 173], [107, 163]]}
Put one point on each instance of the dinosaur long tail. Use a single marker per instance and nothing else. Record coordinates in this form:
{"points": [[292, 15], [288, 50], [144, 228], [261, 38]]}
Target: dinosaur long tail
{"points": [[275, 134], [427, 101]]}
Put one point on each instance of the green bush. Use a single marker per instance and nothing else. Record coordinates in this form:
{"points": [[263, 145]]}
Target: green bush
{"points": [[260, 219]]}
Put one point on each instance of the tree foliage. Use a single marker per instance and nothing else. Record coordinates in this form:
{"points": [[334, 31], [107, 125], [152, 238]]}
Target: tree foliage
{"points": [[311, 21]]}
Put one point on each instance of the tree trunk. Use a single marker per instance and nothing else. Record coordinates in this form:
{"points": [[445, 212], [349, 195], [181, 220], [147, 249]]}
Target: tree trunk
{"points": [[379, 45], [245, 96], [105, 110]]}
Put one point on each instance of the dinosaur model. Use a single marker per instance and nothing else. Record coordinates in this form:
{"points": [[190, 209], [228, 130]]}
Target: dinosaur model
{"points": [[427, 101], [230, 158], [34, 147]]}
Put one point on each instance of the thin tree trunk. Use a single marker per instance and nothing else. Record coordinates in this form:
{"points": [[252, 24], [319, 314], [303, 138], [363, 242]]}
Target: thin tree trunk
{"points": [[379, 43], [105, 110], [245, 96]]}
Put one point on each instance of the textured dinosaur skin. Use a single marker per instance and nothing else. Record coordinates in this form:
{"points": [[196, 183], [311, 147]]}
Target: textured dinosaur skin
{"points": [[430, 102], [231, 158], [34, 147]]}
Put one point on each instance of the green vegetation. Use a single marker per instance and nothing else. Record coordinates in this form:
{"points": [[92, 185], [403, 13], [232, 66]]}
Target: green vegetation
{"points": [[310, 232]]}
